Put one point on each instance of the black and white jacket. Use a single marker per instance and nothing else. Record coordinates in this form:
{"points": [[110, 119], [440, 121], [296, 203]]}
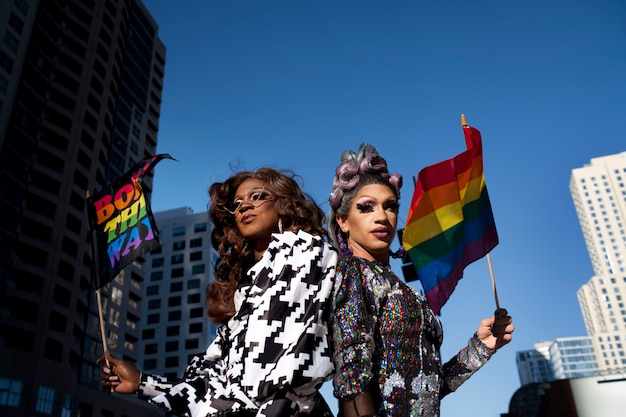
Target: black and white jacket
{"points": [[274, 354]]}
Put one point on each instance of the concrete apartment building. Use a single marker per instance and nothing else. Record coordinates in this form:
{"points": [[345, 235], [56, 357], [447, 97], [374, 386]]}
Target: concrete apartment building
{"points": [[599, 193], [174, 325], [80, 97], [589, 372]]}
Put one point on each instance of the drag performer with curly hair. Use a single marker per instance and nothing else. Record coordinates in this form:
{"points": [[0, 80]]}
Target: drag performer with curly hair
{"points": [[271, 298], [386, 338]]}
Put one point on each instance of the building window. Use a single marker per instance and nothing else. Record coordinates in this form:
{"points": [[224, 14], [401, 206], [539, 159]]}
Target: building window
{"points": [[195, 243], [195, 256], [62, 296], [199, 227], [11, 42], [171, 361], [149, 364], [179, 245], [196, 312], [174, 301], [178, 231], [195, 327], [156, 276], [151, 348], [152, 290], [22, 6], [171, 346], [192, 344], [178, 272], [148, 334], [198, 269], [174, 315], [10, 392], [16, 23], [53, 350], [172, 331], [156, 262], [154, 304], [193, 298], [153, 318], [176, 286], [45, 400], [178, 259], [193, 283], [66, 411]]}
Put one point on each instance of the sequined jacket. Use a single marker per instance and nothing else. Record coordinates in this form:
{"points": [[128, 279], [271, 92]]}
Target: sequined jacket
{"points": [[274, 354], [387, 343]]}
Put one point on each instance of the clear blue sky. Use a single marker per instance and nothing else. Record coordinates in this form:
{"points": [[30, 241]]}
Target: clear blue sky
{"points": [[291, 84]]}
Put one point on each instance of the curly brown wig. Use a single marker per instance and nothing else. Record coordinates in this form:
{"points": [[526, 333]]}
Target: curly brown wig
{"points": [[296, 210]]}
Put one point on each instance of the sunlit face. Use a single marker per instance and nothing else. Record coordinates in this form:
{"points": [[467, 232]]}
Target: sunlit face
{"points": [[255, 217], [371, 222]]}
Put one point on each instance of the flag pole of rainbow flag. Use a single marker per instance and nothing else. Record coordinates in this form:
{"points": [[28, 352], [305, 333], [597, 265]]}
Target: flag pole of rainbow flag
{"points": [[450, 222]]}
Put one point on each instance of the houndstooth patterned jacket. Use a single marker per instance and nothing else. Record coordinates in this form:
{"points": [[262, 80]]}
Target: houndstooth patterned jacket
{"points": [[274, 354]]}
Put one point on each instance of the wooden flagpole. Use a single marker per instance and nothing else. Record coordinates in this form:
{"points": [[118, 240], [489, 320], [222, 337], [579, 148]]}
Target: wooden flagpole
{"points": [[96, 260], [493, 280]]}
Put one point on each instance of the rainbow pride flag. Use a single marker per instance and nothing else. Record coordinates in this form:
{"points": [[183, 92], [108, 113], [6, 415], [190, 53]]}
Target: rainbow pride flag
{"points": [[121, 222], [450, 222]]}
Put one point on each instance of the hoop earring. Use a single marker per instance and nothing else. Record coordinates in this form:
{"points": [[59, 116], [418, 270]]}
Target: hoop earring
{"points": [[280, 226], [343, 248]]}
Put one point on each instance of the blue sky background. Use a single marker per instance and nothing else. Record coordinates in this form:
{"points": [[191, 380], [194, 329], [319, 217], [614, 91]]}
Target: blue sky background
{"points": [[291, 84]]}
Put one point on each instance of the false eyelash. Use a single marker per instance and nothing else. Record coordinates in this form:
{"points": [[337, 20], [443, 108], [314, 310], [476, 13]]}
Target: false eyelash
{"points": [[393, 205], [366, 207]]}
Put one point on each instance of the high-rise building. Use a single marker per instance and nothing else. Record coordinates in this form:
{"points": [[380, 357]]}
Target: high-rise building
{"points": [[572, 357], [561, 358], [534, 365], [174, 323], [599, 193], [80, 96]]}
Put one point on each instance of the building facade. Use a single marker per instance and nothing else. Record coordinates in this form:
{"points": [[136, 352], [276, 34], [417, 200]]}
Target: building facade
{"points": [[174, 325], [599, 193], [80, 97], [561, 358], [534, 365], [572, 357]]}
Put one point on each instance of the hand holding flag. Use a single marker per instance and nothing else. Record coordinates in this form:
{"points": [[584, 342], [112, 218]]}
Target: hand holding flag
{"points": [[122, 227]]}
